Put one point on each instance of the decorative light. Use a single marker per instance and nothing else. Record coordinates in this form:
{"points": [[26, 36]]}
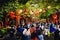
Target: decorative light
{"points": [[32, 5], [19, 11], [49, 7], [40, 10], [54, 16], [12, 15], [31, 12]]}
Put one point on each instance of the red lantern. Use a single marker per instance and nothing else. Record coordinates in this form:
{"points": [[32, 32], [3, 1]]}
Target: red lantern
{"points": [[54, 16], [12, 15]]}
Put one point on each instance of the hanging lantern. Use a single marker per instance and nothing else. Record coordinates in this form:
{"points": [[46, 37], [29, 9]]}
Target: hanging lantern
{"points": [[26, 11], [12, 15], [54, 16], [40, 10], [18, 12], [49, 7], [31, 12]]}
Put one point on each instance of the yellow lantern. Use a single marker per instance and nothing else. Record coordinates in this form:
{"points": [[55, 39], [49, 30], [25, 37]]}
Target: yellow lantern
{"points": [[40, 10], [49, 7], [31, 12], [18, 12]]}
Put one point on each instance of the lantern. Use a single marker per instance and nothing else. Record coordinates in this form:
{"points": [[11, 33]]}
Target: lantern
{"points": [[54, 16], [18, 12], [49, 7], [12, 15], [31, 12], [40, 10]]}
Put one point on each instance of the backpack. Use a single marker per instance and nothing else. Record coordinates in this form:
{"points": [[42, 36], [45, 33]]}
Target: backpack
{"points": [[21, 30], [52, 29], [32, 30]]}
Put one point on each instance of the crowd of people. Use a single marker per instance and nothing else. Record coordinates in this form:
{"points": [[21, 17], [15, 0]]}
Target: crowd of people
{"points": [[34, 31]]}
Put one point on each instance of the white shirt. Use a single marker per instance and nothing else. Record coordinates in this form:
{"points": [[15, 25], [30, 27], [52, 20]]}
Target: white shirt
{"points": [[46, 31]]}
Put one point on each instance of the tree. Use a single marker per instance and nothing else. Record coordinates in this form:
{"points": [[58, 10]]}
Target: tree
{"points": [[13, 5]]}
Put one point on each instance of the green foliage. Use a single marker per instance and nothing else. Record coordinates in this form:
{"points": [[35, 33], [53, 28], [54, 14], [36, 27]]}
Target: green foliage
{"points": [[13, 5], [27, 5], [41, 15], [1, 16], [49, 12], [23, 1], [57, 6], [3, 30]]}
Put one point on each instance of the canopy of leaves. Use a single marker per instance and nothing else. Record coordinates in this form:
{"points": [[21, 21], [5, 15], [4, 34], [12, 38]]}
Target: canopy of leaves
{"points": [[13, 5]]}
